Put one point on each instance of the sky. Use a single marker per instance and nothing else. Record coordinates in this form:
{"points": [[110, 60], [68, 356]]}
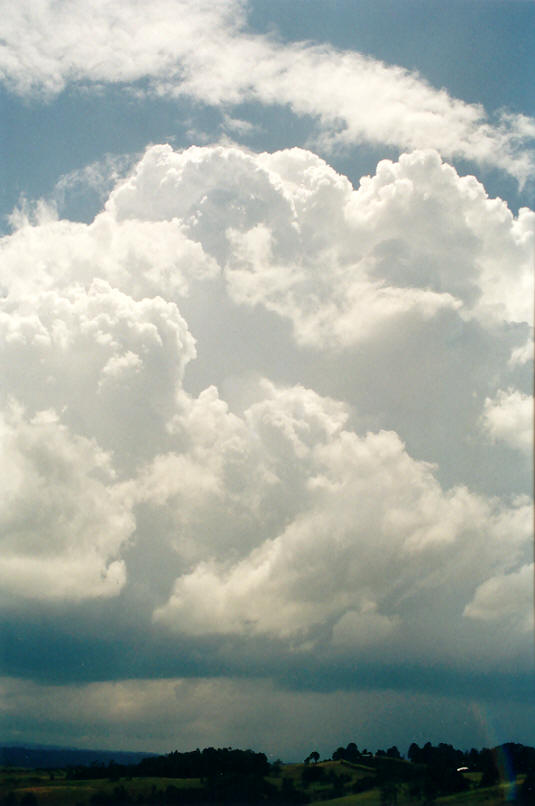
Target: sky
{"points": [[266, 320]]}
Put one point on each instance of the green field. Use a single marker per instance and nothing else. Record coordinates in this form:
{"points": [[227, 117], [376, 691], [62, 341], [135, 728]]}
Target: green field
{"points": [[334, 787], [65, 792]]}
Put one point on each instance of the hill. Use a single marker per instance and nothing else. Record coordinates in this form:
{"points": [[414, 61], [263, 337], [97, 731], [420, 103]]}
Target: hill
{"points": [[57, 757]]}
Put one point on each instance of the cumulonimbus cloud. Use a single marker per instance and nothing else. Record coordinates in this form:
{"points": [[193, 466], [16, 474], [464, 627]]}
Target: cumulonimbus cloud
{"points": [[203, 50], [290, 512]]}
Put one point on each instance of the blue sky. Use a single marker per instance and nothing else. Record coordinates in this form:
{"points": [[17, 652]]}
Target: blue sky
{"points": [[479, 50], [267, 348]]}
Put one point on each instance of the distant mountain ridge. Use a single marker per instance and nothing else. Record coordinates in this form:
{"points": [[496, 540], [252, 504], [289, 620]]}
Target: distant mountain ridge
{"points": [[52, 757]]}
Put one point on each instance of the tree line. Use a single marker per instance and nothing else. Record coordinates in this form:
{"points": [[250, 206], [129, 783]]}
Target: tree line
{"points": [[227, 775], [192, 764]]}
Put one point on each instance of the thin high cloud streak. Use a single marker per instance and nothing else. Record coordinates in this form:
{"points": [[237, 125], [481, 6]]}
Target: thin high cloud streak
{"points": [[204, 51], [291, 512]]}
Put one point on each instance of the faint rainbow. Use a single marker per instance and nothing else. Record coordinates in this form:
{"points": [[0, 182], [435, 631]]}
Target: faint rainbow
{"points": [[503, 759]]}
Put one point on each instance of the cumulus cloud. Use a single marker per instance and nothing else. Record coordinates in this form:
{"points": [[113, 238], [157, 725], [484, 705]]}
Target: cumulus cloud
{"points": [[523, 354], [293, 509], [372, 529], [110, 364], [63, 519], [505, 599], [509, 417], [203, 50], [340, 263], [358, 629], [144, 258]]}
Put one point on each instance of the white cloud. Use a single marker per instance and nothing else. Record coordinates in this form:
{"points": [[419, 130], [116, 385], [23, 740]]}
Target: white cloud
{"points": [[273, 485], [46, 45], [63, 519], [505, 599], [509, 417], [110, 364], [143, 258], [522, 355], [369, 529], [342, 264], [241, 127], [355, 630], [256, 419], [237, 480], [99, 177], [203, 50], [292, 235]]}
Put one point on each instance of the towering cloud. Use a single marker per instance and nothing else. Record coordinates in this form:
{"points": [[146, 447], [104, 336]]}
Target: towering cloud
{"points": [[250, 367], [64, 521]]}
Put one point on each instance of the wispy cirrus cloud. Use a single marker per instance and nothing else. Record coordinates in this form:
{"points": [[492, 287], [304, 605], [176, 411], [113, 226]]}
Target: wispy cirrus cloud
{"points": [[205, 51]]}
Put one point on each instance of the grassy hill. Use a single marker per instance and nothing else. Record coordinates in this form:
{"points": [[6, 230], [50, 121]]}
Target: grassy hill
{"points": [[329, 783]]}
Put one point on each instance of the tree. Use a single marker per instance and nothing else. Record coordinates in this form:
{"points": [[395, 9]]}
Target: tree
{"points": [[527, 790], [414, 753], [352, 752], [276, 767], [487, 765]]}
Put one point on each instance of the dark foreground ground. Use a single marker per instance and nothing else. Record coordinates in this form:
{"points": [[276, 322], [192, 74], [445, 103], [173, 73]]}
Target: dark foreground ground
{"points": [[329, 783]]}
